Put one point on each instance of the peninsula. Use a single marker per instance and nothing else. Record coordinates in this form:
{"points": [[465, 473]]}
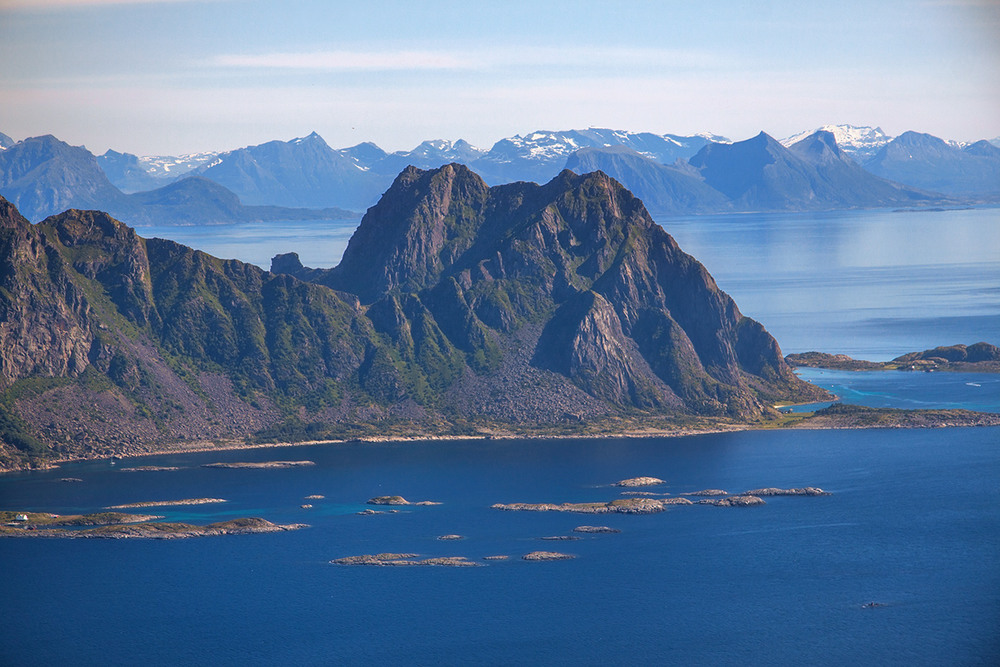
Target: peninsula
{"points": [[977, 358]]}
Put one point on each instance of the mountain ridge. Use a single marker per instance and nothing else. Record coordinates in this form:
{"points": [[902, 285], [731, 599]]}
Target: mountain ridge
{"points": [[524, 307]]}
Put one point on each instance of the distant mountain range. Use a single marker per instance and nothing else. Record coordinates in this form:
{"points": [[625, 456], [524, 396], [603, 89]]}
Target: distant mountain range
{"points": [[44, 176], [457, 308], [838, 166]]}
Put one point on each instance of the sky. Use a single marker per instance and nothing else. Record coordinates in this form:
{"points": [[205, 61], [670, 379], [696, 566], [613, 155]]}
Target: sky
{"points": [[167, 77]]}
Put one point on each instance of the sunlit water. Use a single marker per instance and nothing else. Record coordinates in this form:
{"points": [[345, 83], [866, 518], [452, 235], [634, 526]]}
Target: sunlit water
{"points": [[913, 521]]}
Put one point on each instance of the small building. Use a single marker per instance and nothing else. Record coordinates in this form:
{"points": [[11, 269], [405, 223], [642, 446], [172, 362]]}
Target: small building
{"points": [[21, 517]]}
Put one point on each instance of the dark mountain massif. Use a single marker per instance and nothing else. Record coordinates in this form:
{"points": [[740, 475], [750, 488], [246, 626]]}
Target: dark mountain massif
{"points": [[924, 161], [43, 176], [458, 308]]}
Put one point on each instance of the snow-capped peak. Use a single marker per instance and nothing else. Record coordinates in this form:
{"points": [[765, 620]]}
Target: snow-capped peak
{"points": [[860, 142]]}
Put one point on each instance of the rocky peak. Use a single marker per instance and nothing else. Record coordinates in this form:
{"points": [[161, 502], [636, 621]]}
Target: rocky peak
{"points": [[420, 226]]}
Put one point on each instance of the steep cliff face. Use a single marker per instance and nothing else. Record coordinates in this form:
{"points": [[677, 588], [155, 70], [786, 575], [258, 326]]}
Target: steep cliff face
{"points": [[621, 311], [456, 305]]}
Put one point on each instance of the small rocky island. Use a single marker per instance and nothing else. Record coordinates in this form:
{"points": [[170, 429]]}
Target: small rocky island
{"points": [[404, 560], [398, 500], [168, 503], [259, 464], [640, 481], [115, 525], [647, 505]]}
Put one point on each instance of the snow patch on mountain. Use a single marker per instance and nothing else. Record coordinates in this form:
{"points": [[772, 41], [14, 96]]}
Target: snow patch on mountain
{"points": [[860, 142], [162, 166]]}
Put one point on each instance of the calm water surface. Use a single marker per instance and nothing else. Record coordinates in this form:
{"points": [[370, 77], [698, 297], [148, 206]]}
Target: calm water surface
{"points": [[873, 285], [913, 521]]}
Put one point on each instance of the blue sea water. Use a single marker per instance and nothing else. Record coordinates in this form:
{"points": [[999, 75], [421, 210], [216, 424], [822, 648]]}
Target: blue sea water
{"points": [[912, 522], [869, 284]]}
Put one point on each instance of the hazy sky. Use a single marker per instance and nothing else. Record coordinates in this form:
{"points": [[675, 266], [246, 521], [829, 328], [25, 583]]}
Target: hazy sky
{"points": [[176, 76]]}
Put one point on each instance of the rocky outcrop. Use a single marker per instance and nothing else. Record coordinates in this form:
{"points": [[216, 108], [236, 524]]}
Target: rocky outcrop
{"points": [[398, 500], [744, 500], [595, 529], [621, 506], [546, 555], [640, 481], [266, 465], [155, 530], [771, 491], [404, 560], [168, 503]]}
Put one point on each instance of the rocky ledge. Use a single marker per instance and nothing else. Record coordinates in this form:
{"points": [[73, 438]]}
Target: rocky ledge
{"points": [[404, 560], [259, 464], [397, 500]]}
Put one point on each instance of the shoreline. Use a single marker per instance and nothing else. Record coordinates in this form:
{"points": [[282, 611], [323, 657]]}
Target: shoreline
{"points": [[851, 418]]}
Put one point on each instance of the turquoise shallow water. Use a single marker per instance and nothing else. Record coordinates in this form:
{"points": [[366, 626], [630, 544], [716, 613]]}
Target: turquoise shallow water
{"points": [[910, 390], [913, 521]]}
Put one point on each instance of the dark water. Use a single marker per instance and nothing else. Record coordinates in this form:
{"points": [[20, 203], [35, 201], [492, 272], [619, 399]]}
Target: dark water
{"points": [[913, 521]]}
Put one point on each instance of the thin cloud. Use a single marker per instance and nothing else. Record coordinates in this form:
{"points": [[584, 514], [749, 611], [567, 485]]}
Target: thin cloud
{"points": [[472, 60], [347, 61]]}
